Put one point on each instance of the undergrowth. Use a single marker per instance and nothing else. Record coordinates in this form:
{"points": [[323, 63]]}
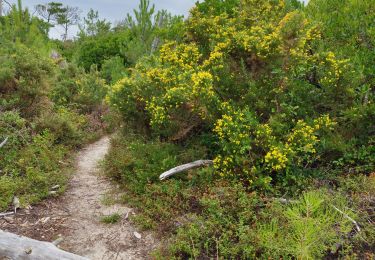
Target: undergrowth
{"points": [[209, 217], [110, 219]]}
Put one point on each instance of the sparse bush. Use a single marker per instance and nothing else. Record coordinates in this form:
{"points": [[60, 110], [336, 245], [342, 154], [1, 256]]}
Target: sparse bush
{"points": [[31, 170], [111, 219]]}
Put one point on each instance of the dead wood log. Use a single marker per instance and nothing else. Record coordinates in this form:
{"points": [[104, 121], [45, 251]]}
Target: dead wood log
{"points": [[185, 167], [4, 142], [16, 247], [6, 214], [348, 218]]}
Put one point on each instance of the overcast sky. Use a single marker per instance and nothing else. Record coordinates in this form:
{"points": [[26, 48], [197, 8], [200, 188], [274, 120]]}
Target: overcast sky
{"points": [[113, 10]]}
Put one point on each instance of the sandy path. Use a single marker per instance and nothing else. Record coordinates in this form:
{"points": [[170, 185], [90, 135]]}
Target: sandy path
{"points": [[83, 203], [76, 215]]}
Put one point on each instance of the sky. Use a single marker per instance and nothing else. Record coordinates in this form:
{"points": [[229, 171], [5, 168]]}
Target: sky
{"points": [[112, 10]]}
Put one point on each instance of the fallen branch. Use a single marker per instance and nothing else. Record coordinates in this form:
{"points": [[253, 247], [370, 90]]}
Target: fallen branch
{"points": [[349, 218], [6, 214], [285, 201], [16, 247], [185, 167], [4, 142], [63, 163]]}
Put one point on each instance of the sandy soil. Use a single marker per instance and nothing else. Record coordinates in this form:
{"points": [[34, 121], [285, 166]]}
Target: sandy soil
{"points": [[76, 216]]}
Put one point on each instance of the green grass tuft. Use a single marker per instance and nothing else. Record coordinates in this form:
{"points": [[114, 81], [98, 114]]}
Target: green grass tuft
{"points": [[111, 219]]}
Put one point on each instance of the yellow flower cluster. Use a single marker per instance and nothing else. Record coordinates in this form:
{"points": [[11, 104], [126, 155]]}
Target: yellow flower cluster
{"points": [[233, 129], [336, 67], [276, 159], [264, 136], [158, 113], [184, 56], [201, 77], [324, 122], [239, 136], [177, 81], [303, 137], [215, 59], [224, 165], [260, 39]]}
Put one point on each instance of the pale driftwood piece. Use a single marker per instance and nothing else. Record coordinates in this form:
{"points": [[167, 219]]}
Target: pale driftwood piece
{"points": [[185, 167], [4, 142], [63, 163], [16, 247], [285, 201], [349, 218], [6, 214]]}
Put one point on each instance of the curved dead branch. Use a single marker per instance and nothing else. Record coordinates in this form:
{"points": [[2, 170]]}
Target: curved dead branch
{"points": [[185, 167], [4, 142]]}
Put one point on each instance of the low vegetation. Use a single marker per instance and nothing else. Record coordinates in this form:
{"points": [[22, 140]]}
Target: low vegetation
{"points": [[212, 217], [48, 108], [111, 219], [278, 94]]}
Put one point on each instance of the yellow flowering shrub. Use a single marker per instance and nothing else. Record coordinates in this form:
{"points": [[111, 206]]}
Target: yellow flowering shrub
{"points": [[252, 151], [173, 89], [250, 73]]}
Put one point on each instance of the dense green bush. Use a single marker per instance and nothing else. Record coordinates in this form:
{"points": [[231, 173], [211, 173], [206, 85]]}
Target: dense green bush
{"points": [[281, 97], [277, 97], [113, 69], [25, 79], [95, 50], [234, 224]]}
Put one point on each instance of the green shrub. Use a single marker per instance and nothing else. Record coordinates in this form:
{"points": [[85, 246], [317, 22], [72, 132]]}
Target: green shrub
{"points": [[237, 225], [111, 219], [95, 50], [137, 164], [91, 90], [113, 69], [79, 90], [24, 79], [207, 217], [30, 171], [68, 127], [257, 67]]}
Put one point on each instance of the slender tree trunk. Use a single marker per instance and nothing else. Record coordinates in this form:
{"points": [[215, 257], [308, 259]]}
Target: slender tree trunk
{"points": [[65, 32], [1, 8]]}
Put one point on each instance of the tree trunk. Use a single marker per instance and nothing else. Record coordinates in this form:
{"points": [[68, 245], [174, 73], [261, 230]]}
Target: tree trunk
{"points": [[16, 247]]}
